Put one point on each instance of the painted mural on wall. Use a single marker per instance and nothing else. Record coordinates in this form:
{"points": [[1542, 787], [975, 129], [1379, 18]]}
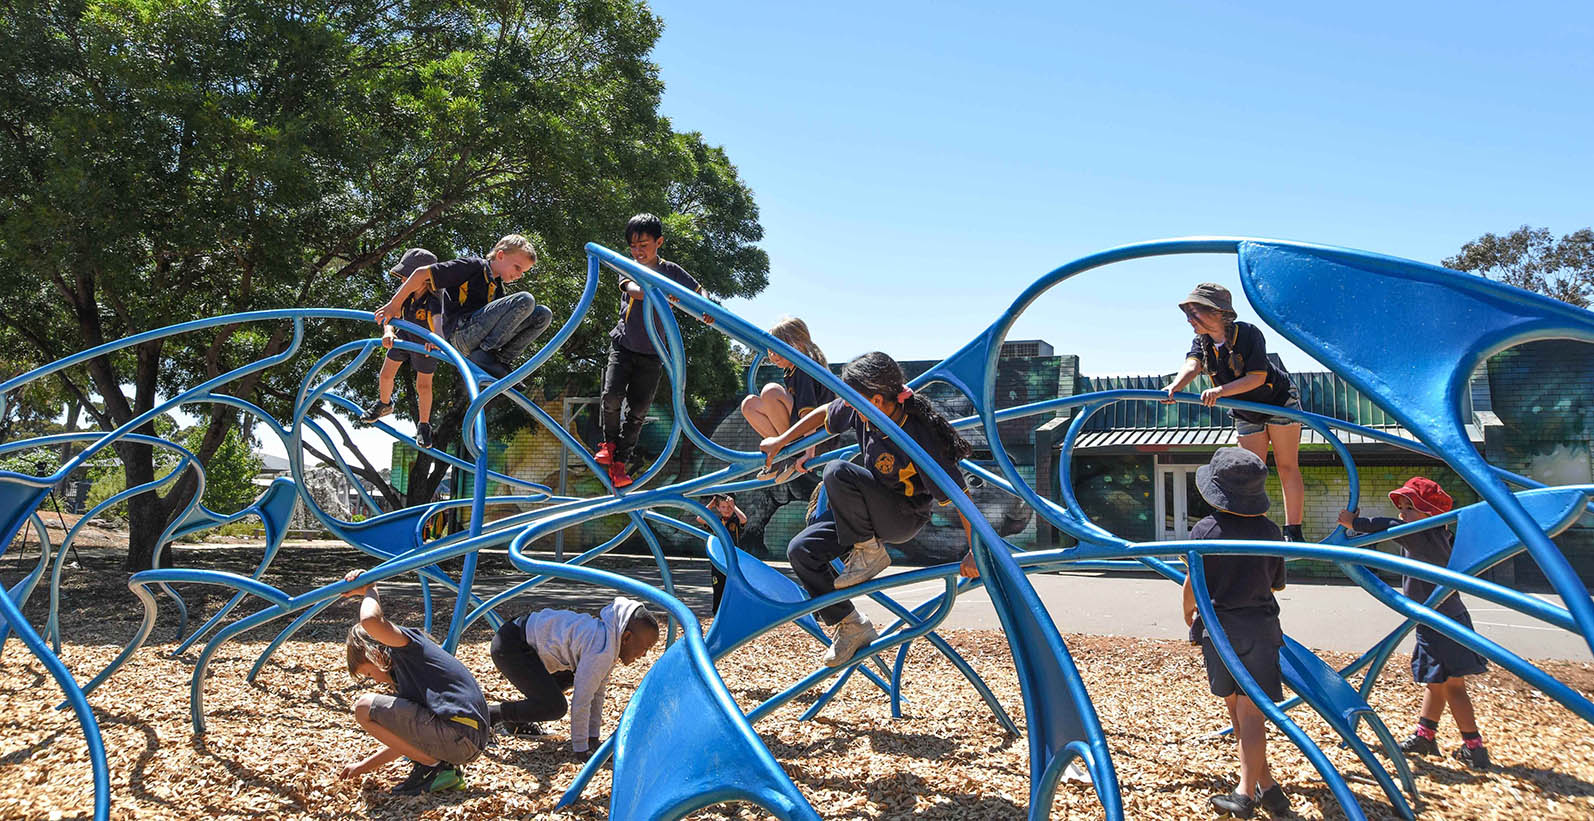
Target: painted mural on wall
{"points": [[777, 514]]}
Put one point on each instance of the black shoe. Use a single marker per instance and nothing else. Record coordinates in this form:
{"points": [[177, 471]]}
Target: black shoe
{"points": [[1236, 804], [1273, 800], [524, 729], [489, 363], [1418, 745], [415, 784], [423, 434], [1476, 758], [1292, 533], [376, 412]]}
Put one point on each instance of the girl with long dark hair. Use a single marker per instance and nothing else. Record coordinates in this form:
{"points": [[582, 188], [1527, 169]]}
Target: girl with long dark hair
{"points": [[884, 500]]}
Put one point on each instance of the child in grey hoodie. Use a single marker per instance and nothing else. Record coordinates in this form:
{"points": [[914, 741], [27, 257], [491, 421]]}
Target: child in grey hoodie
{"points": [[546, 652]]}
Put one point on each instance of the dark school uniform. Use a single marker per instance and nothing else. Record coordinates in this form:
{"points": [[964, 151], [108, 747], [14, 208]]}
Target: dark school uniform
{"points": [[806, 393], [887, 461], [1248, 356], [425, 674], [465, 286], [419, 309], [629, 332], [632, 374], [733, 526], [1242, 594], [885, 498], [1437, 657]]}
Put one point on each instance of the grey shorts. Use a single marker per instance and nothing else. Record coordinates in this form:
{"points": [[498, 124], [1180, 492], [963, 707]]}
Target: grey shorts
{"points": [[438, 737], [1256, 423]]}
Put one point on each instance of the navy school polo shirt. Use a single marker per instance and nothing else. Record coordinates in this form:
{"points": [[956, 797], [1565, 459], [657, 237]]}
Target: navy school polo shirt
{"points": [[427, 675], [806, 392], [886, 460], [629, 332], [1431, 546], [420, 309], [465, 285], [1251, 349], [1241, 585]]}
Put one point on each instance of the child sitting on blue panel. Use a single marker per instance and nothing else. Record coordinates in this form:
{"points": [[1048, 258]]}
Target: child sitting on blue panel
{"points": [[885, 500], [1234, 483], [1438, 661]]}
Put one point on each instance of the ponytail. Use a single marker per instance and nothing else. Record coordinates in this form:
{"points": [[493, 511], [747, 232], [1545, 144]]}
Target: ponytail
{"points": [[877, 373]]}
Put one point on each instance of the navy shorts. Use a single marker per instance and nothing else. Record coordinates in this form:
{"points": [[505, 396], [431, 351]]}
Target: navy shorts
{"points": [[422, 363], [1256, 640], [1438, 657]]}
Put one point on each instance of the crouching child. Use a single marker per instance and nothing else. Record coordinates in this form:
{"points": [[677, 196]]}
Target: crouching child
{"points": [[550, 651], [437, 716]]}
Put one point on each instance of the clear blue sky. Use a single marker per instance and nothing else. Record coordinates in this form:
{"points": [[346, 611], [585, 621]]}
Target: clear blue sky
{"points": [[917, 165]]}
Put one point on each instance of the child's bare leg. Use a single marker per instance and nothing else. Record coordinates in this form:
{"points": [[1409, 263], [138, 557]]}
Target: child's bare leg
{"points": [[384, 381], [1250, 728], [1433, 702], [1455, 694], [423, 397], [778, 404], [758, 418], [1286, 440], [362, 714]]}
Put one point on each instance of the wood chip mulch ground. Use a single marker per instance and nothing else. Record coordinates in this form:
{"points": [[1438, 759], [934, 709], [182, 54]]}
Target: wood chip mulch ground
{"points": [[274, 748]]}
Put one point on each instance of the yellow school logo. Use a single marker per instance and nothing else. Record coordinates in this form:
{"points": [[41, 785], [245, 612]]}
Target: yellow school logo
{"points": [[885, 463]]}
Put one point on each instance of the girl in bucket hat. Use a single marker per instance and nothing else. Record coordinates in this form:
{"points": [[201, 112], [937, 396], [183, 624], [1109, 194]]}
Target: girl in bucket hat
{"points": [[1234, 355], [1438, 661], [1241, 587]]}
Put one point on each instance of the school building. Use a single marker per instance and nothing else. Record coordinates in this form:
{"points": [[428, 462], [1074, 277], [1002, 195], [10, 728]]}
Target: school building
{"points": [[1530, 410]]}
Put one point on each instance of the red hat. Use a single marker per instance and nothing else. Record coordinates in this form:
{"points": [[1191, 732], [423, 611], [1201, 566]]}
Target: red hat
{"points": [[1424, 494]]}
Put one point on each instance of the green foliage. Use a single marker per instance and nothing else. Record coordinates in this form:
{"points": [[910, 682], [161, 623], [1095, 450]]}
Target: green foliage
{"points": [[1532, 258], [165, 160], [230, 471]]}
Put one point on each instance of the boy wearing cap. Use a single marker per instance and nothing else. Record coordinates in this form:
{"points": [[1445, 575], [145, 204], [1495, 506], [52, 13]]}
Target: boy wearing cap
{"points": [[421, 308], [1241, 587], [490, 329], [1438, 661], [1234, 355]]}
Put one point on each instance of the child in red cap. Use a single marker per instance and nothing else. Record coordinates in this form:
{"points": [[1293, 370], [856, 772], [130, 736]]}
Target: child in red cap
{"points": [[1438, 661]]}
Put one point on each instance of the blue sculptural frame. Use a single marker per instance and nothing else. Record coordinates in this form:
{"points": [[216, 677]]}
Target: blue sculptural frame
{"points": [[1312, 295]]}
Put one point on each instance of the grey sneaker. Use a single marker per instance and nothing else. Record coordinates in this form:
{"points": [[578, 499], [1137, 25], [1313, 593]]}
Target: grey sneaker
{"points": [[865, 562], [850, 637]]}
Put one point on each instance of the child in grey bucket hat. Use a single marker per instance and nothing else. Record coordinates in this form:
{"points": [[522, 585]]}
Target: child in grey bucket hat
{"points": [[1241, 591]]}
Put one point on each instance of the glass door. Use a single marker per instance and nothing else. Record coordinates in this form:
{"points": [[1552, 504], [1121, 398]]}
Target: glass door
{"points": [[1178, 504]]}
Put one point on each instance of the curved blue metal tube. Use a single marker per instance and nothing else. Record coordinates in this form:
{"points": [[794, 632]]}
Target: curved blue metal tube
{"points": [[1253, 691]]}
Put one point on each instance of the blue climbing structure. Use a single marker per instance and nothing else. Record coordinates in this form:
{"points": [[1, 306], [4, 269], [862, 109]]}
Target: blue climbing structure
{"points": [[683, 743]]}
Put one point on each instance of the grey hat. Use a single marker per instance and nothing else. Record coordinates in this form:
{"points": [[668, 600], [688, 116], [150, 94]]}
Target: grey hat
{"points": [[1234, 481], [412, 259], [1212, 295]]}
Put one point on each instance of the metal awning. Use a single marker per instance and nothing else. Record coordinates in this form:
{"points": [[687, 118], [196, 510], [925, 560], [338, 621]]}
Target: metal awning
{"points": [[1128, 440]]}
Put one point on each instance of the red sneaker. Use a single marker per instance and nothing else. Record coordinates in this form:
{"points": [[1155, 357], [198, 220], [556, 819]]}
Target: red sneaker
{"points": [[617, 475], [605, 454]]}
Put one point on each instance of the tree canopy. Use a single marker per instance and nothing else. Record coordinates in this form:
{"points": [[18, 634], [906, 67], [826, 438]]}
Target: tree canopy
{"points": [[1533, 259], [164, 160]]}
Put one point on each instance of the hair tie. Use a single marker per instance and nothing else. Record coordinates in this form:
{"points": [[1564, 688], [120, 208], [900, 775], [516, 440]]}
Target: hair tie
{"points": [[904, 395]]}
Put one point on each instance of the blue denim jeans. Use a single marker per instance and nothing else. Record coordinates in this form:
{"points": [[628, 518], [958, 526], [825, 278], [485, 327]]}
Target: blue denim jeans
{"points": [[504, 327]]}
